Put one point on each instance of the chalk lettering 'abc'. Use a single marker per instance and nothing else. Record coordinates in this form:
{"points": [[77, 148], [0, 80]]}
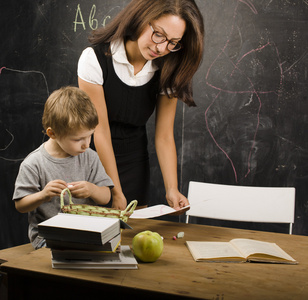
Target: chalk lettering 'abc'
{"points": [[93, 22]]}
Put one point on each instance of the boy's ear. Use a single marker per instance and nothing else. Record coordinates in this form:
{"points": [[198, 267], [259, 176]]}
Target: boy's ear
{"points": [[50, 133]]}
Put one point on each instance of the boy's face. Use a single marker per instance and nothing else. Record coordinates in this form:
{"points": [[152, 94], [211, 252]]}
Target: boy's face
{"points": [[76, 143]]}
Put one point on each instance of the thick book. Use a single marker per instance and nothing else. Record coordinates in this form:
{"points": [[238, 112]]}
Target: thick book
{"points": [[110, 246], [239, 250], [126, 260], [79, 228]]}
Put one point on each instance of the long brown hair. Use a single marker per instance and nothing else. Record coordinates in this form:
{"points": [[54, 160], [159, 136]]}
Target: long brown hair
{"points": [[178, 68]]}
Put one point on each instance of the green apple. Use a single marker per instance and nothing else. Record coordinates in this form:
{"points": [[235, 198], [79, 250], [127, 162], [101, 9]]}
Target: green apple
{"points": [[148, 246]]}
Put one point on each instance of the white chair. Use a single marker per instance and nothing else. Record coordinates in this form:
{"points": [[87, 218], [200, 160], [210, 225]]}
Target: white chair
{"points": [[241, 203]]}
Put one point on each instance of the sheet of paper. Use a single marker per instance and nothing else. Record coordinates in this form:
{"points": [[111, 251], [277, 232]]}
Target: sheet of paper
{"points": [[157, 211]]}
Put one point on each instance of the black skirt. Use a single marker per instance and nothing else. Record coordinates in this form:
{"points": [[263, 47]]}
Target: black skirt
{"points": [[134, 173], [133, 165]]}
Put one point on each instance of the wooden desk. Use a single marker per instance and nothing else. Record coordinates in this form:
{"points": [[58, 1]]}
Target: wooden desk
{"points": [[174, 276]]}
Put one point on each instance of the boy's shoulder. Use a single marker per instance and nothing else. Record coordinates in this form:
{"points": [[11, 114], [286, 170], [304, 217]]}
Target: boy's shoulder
{"points": [[90, 155], [91, 152], [34, 155], [40, 156]]}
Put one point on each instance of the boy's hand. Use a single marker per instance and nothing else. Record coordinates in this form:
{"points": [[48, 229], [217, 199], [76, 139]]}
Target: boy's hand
{"points": [[80, 189], [84, 189], [53, 188]]}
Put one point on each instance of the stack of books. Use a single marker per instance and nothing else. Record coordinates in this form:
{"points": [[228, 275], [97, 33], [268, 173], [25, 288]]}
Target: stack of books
{"points": [[86, 242]]}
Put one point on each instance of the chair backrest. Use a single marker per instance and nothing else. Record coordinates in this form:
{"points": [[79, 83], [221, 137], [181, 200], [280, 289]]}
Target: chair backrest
{"points": [[241, 203]]}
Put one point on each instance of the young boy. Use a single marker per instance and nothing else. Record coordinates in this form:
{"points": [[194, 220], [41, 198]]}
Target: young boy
{"points": [[64, 161]]}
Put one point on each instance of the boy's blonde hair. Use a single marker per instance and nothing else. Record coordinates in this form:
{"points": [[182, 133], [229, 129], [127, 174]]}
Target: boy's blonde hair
{"points": [[69, 109]]}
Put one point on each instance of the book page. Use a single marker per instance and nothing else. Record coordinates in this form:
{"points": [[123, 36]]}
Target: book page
{"points": [[157, 211], [260, 249], [214, 251]]}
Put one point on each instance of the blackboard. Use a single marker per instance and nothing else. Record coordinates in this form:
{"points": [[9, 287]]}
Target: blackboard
{"points": [[251, 119]]}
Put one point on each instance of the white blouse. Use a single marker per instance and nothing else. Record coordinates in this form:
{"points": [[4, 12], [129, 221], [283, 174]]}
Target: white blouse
{"points": [[90, 70]]}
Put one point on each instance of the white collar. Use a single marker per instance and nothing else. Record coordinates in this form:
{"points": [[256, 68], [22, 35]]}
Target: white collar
{"points": [[119, 55]]}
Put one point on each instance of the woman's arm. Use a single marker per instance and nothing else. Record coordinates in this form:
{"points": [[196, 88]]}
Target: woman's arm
{"points": [[166, 150], [102, 140]]}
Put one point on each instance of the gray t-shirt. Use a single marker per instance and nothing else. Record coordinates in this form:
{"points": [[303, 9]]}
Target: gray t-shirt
{"points": [[39, 168]]}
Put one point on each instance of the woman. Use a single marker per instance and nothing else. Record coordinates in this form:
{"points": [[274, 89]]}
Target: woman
{"points": [[143, 60]]}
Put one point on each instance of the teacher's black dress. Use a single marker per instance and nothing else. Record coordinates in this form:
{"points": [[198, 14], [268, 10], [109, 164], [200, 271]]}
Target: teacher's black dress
{"points": [[129, 108]]}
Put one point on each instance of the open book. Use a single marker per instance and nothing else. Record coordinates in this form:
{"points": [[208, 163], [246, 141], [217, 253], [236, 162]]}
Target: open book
{"points": [[239, 250]]}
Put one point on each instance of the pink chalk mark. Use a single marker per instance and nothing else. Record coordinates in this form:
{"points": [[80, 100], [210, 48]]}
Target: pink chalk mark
{"points": [[252, 91]]}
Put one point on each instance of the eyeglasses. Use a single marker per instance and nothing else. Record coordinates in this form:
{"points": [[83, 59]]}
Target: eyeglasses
{"points": [[159, 38]]}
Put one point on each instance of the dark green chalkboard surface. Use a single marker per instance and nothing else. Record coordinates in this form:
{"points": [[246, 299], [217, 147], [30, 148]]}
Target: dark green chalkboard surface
{"points": [[251, 120]]}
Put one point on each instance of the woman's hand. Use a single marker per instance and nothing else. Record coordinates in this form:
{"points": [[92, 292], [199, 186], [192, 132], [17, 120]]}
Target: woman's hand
{"points": [[175, 199], [118, 201]]}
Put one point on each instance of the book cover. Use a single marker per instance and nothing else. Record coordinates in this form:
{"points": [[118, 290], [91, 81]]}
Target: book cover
{"points": [[110, 246], [84, 255]]}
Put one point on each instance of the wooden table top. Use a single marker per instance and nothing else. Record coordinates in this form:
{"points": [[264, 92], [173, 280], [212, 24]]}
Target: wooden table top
{"points": [[176, 273]]}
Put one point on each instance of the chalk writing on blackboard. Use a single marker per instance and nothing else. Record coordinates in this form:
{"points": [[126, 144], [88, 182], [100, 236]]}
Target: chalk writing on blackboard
{"points": [[32, 71], [253, 91], [10, 142], [93, 22], [8, 138], [250, 5]]}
